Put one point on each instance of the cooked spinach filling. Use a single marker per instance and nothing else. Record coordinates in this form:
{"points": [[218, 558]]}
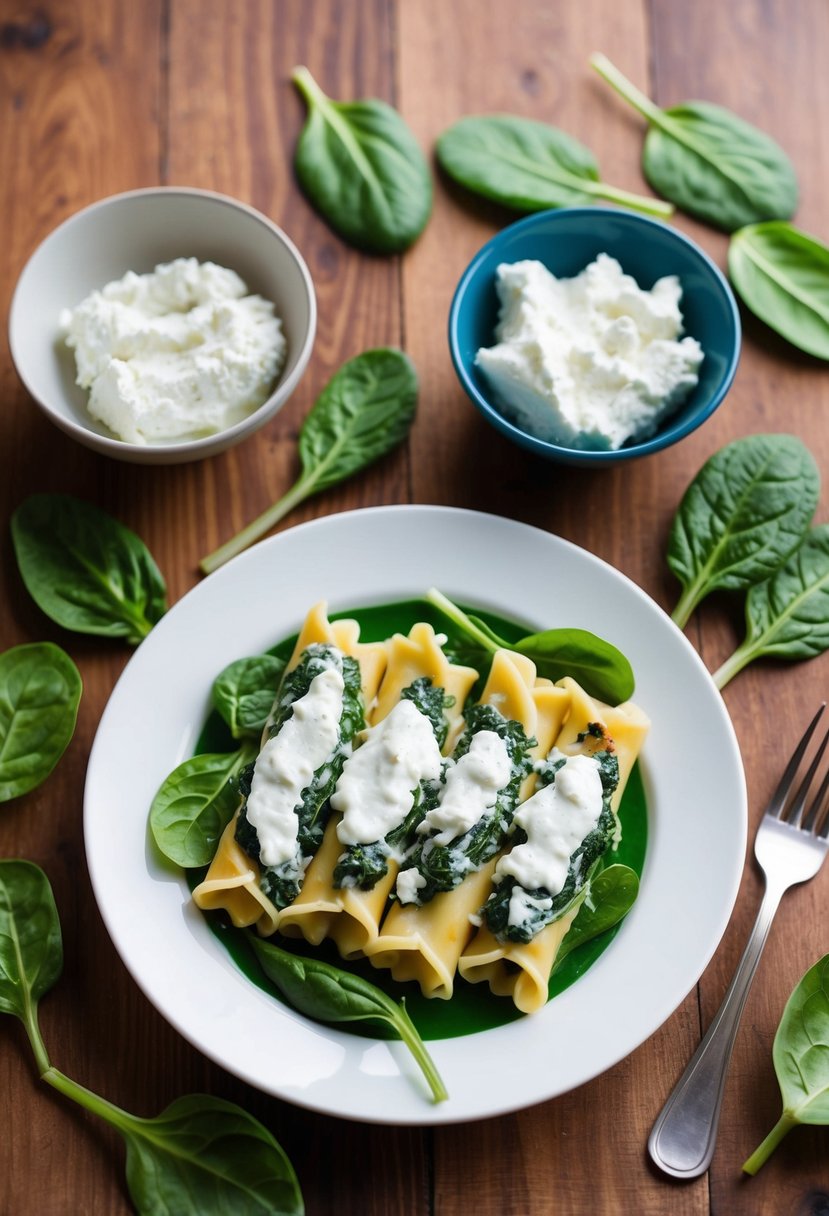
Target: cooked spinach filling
{"points": [[540, 907], [363, 865], [282, 883], [444, 866]]}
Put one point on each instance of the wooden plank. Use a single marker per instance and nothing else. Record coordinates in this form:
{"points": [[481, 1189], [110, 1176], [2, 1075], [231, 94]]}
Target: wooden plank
{"points": [[234, 120], [80, 88], [760, 61]]}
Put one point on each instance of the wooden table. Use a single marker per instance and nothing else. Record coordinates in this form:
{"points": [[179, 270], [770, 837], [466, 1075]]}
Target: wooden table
{"points": [[103, 97]]}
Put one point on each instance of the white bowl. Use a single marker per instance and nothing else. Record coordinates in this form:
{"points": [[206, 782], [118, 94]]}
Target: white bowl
{"points": [[137, 231]]}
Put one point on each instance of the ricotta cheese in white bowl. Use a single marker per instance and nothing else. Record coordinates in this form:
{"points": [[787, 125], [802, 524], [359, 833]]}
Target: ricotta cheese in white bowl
{"points": [[180, 353], [199, 323]]}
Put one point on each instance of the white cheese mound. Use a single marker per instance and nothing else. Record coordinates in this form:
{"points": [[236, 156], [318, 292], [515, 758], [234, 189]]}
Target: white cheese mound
{"points": [[287, 763], [556, 820], [588, 362], [377, 786], [470, 789], [178, 354]]}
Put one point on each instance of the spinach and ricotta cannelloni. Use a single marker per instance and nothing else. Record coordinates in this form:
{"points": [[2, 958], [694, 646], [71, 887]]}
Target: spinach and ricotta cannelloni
{"points": [[386, 788], [284, 795], [560, 836], [449, 869]]}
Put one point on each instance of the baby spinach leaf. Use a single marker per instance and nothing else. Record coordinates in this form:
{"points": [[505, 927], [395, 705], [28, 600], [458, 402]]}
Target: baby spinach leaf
{"points": [[201, 1156], [782, 275], [244, 693], [329, 994], [529, 165], [743, 514], [601, 669], [612, 894], [364, 411], [708, 161], [195, 804], [363, 170], [787, 615], [85, 570], [40, 690], [204, 1155], [31, 950], [801, 1060]]}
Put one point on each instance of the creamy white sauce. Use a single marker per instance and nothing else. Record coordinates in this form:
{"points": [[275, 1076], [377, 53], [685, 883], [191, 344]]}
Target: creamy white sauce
{"points": [[471, 788], [288, 761], [556, 819], [375, 791], [409, 882], [592, 361], [180, 353]]}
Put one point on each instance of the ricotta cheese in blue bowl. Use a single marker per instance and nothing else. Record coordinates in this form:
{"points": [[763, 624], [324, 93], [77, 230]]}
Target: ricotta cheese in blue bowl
{"points": [[593, 335]]}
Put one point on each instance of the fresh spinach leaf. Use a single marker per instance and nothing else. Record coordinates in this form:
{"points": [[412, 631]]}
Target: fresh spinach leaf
{"points": [[201, 1156], [329, 994], [195, 804], [244, 694], [612, 894], [85, 570], [529, 165], [40, 690], [31, 950], [363, 170], [708, 161], [601, 669], [801, 1060], [364, 411], [743, 514], [782, 275], [787, 615]]}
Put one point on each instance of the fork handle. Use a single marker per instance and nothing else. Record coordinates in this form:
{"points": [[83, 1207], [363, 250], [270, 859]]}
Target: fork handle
{"points": [[683, 1136]]}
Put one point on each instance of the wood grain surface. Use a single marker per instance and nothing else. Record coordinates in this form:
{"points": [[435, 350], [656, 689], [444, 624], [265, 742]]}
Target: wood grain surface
{"points": [[99, 97]]}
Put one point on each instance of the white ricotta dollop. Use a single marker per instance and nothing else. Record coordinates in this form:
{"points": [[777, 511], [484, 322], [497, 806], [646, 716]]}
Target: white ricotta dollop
{"points": [[556, 819], [592, 361], [376, 788], [177, 354], [288, 761], [470, 789]]}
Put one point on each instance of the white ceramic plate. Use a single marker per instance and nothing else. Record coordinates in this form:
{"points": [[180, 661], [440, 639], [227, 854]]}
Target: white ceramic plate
{"points": [[691, 768]]}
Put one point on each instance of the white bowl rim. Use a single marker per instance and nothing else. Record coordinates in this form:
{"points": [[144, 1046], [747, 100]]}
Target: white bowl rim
{"points": [[208, 443]]}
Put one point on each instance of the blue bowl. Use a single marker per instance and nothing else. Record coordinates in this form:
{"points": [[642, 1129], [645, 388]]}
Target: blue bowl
{"points": [[566, 241]]}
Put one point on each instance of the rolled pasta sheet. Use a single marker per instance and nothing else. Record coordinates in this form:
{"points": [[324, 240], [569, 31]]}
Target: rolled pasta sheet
{"points": [[519, 971], [419, 654], [423, 942], [349, 916], [233, 878], [523, 970], [232, 884], [626, 724], [345, 635]]}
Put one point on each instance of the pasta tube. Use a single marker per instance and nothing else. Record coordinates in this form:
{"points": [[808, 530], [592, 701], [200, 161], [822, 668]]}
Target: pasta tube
{"points": [[423, 937], [522, 969], [235, 880]]}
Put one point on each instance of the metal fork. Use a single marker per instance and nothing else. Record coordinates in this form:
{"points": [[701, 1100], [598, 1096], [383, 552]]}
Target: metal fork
{"points": [[790, 846]]}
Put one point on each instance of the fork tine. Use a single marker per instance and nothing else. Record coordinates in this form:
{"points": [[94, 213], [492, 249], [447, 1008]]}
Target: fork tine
{"points": [[812, 818], [798, 803], [778, 798]]}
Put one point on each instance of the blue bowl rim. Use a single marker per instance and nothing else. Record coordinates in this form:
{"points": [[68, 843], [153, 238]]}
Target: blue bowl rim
{"points": [[663, 438]]}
